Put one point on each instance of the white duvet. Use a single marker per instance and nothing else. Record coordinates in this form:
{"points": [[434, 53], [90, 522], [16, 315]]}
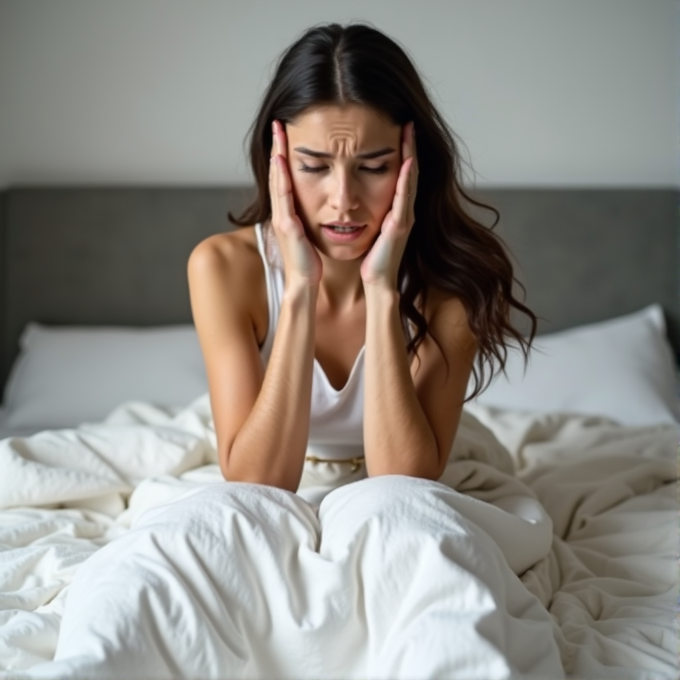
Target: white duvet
{"points": [[171, 572]]}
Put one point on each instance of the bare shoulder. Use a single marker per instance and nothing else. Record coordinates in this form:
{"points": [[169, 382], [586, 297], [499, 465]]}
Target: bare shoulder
{"points": [[225, 271], [448, 319], [227, 253]]}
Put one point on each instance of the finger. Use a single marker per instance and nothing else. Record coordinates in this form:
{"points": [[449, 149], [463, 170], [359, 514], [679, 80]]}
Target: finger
{"points": [[280, 139], [284, 193], [283, 204], [273, 178], [402, 198], [283, 183], [409, 151], [408, 141], [281, 187]]}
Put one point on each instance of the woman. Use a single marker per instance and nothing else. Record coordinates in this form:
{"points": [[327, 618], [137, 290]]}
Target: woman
{"points": [[339, 327], [386, 280]]}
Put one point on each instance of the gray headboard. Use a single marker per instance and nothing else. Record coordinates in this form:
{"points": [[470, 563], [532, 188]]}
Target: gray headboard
{"points": [[118, 255], [96, 256], [586, 255]]}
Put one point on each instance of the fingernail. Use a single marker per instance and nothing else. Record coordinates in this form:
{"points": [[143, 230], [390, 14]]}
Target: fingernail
{"points": [[273, 127]]}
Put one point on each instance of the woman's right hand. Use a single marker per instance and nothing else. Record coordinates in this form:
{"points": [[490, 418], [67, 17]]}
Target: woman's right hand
{"points": [[300, 259]]}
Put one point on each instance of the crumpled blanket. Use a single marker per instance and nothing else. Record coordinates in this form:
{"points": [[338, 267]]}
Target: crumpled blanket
{"points": [[68, 493], [389, 579]]}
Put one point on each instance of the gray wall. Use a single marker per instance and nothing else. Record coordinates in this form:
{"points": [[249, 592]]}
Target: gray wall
{"points": [[543, 92]]}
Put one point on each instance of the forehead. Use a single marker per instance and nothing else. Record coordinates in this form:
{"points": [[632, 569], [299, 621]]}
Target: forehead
{"points": [[361, 125]]}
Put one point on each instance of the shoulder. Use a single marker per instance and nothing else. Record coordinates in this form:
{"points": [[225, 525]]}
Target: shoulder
{"points": [[447, 319], [231, 261], [226, 276], [222, 253]]}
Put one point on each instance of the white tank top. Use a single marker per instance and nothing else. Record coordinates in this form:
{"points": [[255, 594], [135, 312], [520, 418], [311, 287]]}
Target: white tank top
{"points": [[336, 429]]}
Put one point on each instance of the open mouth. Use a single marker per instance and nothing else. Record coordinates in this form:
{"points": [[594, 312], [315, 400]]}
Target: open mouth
{"points": [[343, 233], [342, 229]]}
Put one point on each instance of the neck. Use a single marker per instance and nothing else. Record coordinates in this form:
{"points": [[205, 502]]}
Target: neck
{"points": [[341, 286]]}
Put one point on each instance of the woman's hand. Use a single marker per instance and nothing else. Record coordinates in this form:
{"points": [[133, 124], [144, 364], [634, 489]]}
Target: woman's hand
{"points": [[300, 260], [381, 264]]}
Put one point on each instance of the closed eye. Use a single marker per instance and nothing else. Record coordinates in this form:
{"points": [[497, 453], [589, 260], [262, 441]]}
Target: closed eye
{"points": [[378, 171], [312, 168], [315, 169]]}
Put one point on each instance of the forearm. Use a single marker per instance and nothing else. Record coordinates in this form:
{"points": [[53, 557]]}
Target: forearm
{"points": [[270, 446], [398, 438]]}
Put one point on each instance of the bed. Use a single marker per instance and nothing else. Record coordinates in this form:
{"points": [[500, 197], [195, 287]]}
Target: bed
{"points": [[105, 418]]}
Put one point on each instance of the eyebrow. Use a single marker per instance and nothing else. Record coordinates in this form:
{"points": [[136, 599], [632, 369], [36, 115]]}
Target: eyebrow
{"points": [[364, 156]]}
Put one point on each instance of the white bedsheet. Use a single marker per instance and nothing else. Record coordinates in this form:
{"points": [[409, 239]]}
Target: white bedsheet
{"points": [[312, 594]]}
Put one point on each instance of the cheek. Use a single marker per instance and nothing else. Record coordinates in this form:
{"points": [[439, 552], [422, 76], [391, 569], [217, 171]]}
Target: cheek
{"points": [[307, 189], [380, 193], [307, 196]]}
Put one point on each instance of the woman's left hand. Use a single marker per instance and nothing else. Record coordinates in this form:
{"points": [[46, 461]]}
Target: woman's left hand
{"points": [[381, 264]]}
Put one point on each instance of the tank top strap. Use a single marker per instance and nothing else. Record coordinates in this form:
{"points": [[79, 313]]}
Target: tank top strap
{"points": [[275, 287]]}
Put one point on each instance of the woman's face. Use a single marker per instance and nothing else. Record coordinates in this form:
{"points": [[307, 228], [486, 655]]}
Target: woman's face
{"points": [[344, 163]]}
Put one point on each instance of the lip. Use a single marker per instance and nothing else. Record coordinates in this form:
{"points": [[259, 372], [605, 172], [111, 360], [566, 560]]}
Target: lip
{"points": [[341, 223], [337, 237]]}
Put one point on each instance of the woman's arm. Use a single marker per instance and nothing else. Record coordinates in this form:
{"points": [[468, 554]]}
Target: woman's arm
{"points": [[411, 413], [261, 418], [270, 446]]}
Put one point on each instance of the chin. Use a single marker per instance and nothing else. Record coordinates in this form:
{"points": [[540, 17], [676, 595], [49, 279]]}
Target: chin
{"points": [[343, 254]]}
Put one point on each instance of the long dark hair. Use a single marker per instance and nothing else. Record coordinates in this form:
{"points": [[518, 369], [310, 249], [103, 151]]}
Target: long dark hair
{"points": [[448, 249]]}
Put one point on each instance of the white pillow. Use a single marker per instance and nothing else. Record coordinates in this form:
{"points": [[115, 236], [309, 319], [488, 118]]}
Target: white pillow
{"points": [[622, 368], [66, 375]]}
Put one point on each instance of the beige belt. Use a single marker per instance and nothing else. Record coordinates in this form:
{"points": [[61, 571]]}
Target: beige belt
{"points": [[356, 462]]}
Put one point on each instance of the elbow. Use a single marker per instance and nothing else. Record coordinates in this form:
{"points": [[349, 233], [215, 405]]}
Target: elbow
{"points": [[419, 472], [234, 471], [223, 460], [424, 465]]}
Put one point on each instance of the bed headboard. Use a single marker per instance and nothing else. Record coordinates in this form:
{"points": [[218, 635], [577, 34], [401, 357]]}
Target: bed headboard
{"points": [[96, 256], [118, 255], [586, 255]]}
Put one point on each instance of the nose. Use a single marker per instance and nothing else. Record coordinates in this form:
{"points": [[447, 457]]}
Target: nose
{"points": [[343, 192]]}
